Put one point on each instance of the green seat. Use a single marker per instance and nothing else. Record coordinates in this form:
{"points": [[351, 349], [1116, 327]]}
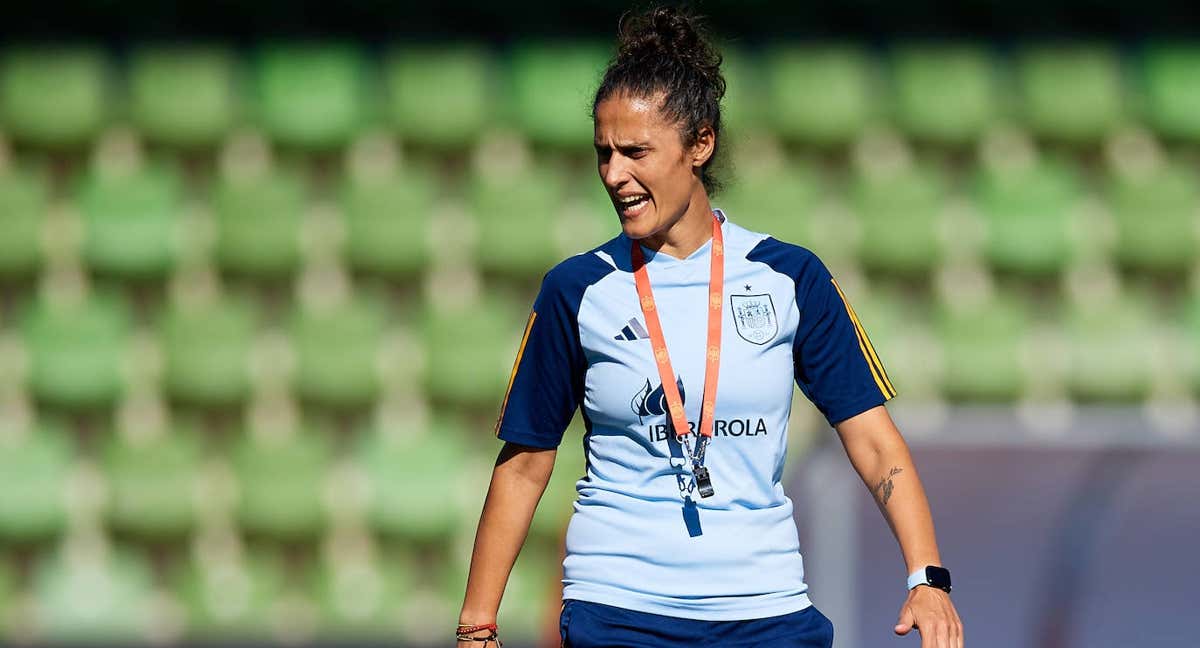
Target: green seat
{"points": [[743, 108], [131, 221], [361, 597], [310, 95], [775, 200], [387, 223], [471, 351], [1155, 214], [98, 597], [258, 224], [337, 350], [230, 597], [1108, 349], [24, 200], [282, 483], [518, 223], [183, 96], [457, 79], [403, 467], [53, 96], [552, 87], [1027, 211], [1071, 93], [206, 351], [945, 94], [982, 342], [899, 212], [819, 94], [898, 324], [1172, 89], [34, 469], [77, 350], [152, 482]]}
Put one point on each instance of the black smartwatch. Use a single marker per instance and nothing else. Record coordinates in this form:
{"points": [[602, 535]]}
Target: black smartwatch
{"points": [[938, 577]]}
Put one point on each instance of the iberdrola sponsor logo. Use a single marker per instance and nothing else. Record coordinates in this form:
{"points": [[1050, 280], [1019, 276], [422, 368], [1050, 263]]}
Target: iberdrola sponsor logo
{"points": [[651, 402]]}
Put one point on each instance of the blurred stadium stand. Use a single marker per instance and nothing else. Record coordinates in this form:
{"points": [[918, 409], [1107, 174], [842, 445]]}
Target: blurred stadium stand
{"points": [[258, 306]]}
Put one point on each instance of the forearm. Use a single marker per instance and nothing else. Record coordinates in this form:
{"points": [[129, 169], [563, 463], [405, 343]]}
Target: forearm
{"points": [[518, 481], [883, 461]]}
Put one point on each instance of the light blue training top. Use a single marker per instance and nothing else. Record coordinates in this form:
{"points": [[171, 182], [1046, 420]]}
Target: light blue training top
{"points": [[640, 537]]}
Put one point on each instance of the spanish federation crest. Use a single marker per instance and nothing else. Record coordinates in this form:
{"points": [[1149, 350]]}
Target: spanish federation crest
{"points": [[754, 317]]}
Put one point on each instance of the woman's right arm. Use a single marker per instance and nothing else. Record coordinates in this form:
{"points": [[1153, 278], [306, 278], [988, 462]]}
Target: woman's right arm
{"points": [[518, 480]]}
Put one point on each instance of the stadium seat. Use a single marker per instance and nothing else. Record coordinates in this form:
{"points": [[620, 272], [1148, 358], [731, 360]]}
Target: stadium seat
{"points": [[53, 96], [898, 325], [1155, 213], [1172, 89], [310, 95], [440, 96], [1071, 93], [77, 350], [206, 350], [1108, 338], [552, 86], [387, 222], [23, 203], [1027, 210], [518, 223], [945, 94], [34, 469], [131, 221], [183, 96], [742, 109], [89, 594], [360, 597], [982, 341], [281, 477], [900, 211], [152, 482], [337, 352], [258, 224], [230, 597], [403, 467], [819, 94], [776, 200], [471, 351]]}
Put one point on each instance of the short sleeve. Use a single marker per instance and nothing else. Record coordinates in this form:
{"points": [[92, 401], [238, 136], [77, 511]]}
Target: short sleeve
{"points": [[546, 383], [836, 366]]}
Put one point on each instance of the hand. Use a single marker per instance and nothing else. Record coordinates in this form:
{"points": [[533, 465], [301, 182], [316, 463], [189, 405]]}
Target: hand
{"points": [[931, 612]]}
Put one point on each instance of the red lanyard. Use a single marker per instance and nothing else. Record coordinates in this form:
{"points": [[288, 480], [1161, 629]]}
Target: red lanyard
{"points": [[716, 281]]}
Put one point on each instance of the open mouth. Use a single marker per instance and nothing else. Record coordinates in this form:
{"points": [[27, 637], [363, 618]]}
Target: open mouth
{"points": [[630, 206]]}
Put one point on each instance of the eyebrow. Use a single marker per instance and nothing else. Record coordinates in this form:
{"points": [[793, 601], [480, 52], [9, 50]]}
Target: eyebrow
{"points": [[623, 145]]}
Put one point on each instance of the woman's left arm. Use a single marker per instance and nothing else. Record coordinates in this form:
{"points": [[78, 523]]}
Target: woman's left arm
{"points": [[882, 459]]}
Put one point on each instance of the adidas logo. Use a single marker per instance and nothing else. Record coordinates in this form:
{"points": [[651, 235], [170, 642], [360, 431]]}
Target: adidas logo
{"points": [[632, 331]]}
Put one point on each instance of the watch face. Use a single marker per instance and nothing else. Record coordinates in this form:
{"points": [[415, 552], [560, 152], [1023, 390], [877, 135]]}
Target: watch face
{"points": [[938, 577]]}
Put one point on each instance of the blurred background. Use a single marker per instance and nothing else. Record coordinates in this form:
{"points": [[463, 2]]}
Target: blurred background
{"points": [[264, 270]]}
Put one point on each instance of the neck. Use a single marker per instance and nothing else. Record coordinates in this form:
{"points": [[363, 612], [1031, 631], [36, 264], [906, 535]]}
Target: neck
{"points": [[687, 234]]}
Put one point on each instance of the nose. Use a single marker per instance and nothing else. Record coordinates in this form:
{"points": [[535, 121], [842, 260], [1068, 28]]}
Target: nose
{"points": [[614, 171]]}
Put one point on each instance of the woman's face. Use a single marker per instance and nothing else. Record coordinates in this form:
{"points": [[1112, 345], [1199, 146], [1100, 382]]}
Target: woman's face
{"points": [[649, 174]]}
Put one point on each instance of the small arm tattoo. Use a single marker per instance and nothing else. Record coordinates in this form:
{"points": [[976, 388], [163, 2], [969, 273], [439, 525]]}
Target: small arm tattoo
{"points": [[883, 490]]}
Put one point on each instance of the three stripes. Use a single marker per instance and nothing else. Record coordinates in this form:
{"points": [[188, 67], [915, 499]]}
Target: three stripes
{"points": [[868, 351]]}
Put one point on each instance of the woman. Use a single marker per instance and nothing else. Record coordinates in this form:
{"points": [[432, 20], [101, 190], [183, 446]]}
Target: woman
{"points": [[686, 322]]}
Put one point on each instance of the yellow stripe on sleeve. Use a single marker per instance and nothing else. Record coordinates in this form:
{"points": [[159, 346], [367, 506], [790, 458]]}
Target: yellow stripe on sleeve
{"points": [[516, 364], [864, 344]]}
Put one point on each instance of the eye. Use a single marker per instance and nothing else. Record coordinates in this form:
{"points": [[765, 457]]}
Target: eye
{"points": [[636, 152], [603, 153]]}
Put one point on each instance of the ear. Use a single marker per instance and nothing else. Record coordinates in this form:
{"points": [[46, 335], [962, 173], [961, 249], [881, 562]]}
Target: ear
{"points": [[706, 143]]}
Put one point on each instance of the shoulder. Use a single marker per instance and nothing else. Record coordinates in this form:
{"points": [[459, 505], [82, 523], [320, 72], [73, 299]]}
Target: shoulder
{"points": [[797, 262], [572, 276]]}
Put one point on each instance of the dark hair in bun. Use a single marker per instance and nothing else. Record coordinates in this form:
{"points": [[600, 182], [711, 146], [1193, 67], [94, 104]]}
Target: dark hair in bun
{"points": [[667, 50]]}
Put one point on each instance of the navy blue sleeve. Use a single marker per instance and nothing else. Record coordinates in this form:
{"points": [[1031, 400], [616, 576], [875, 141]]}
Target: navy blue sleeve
{"points": [[834, 362], [546, 384]]}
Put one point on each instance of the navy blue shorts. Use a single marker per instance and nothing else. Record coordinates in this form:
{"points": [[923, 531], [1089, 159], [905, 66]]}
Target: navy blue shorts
{"points": [[584, 624]]}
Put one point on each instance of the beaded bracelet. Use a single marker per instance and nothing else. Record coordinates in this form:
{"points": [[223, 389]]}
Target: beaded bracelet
{"points": [[464, 631]]}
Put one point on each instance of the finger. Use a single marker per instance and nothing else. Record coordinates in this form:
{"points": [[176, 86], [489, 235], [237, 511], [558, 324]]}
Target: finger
{"points": [[904, 624]]}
